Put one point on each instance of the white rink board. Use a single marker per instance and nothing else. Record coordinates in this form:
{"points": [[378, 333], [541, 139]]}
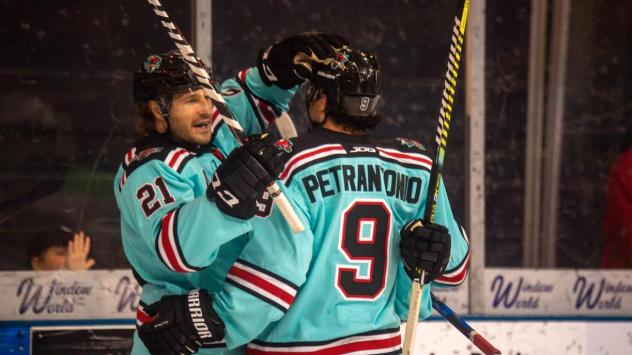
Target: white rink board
{"points": [[68, 295], [557, 292], [528, 337]]}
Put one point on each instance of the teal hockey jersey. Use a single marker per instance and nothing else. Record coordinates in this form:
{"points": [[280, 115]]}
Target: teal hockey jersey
{"points": [[175, 238], [338, 287]]}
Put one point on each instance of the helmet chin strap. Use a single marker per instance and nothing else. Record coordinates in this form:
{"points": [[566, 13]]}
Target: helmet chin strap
{"points": [[164, 105]]}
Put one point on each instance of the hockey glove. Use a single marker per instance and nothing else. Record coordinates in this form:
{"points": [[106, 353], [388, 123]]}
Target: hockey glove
{"points": [[244, 176], [336, 41], [425, 246], [288, 63], [181, 324]]}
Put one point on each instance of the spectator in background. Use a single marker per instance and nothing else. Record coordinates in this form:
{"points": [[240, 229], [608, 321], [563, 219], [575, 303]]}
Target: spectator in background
{"points": [[58, 251], [617, 219]]}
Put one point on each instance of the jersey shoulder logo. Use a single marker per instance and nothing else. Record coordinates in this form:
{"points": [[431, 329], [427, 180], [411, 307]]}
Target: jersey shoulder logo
{"points": [[285, 145], [410, 143], [147, 152]]}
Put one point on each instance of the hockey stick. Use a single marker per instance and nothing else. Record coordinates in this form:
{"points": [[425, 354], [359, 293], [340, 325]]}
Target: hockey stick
{"points": [[445, 113], [462, 326], [218, 101]]}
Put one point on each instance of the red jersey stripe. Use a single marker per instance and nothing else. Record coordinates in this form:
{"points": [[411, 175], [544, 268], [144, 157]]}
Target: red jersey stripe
{"points": [[261, 283]]}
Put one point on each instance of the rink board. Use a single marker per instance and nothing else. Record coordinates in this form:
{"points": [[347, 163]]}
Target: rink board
{"points": [[527, 311]]}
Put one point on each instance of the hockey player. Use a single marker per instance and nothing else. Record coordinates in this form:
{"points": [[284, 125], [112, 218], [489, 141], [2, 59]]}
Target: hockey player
{"points": [[179, 231], [341, 286]]}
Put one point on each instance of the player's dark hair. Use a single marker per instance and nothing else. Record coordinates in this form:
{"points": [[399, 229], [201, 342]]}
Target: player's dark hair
{"points": [[356, 122]]}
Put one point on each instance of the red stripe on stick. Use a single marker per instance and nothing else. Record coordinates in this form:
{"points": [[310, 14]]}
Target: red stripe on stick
{"points": [[484, 345]]}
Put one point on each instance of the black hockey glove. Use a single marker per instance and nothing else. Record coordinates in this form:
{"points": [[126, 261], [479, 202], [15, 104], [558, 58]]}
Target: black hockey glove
{"points": [[181, 324], [288, 63], [425, 246], [244, 176], [335, 40]]}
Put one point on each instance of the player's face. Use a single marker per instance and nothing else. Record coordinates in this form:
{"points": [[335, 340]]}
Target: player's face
{"points": [[190, 117]]}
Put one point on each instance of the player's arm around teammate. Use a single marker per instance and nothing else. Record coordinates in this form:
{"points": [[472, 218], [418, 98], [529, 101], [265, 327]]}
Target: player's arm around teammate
{"points": [[177, 207], [232, 188]]}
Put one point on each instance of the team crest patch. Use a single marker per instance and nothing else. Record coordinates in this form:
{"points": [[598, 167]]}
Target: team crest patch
{"points": [[284, 145], [410, 143], [341, 59], [152, 63]]}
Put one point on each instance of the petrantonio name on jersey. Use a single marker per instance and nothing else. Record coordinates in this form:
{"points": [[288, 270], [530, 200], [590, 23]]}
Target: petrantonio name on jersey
{"points": [[363, 178], [197, 316]]}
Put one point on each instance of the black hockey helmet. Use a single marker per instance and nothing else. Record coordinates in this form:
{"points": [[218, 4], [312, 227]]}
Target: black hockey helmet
{"points": [[163, 74], [352, 84]]}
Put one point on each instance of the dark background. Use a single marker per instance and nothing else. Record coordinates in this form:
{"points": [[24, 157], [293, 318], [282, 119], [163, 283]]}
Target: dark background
{"points": [[66, 108]]}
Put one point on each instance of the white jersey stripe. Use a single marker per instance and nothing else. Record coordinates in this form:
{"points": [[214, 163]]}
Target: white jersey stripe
{"points": [[457, 276], [276, 282], [175, 157], [308, 156], [170, 244], [174, 246], [324, 347], [259, 290], [405, 157]]}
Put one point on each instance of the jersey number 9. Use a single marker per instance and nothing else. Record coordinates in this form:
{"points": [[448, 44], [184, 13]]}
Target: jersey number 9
{"points": [[364, 239]]}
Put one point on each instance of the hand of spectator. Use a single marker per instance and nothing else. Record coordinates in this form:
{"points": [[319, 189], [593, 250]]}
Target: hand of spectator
{"points": [[78, 250]]}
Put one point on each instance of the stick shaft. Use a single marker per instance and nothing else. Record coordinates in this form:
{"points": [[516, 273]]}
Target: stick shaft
{"points": [[445, 110], [461, 325], [413, 315], [218, 101], [445, 114]]}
